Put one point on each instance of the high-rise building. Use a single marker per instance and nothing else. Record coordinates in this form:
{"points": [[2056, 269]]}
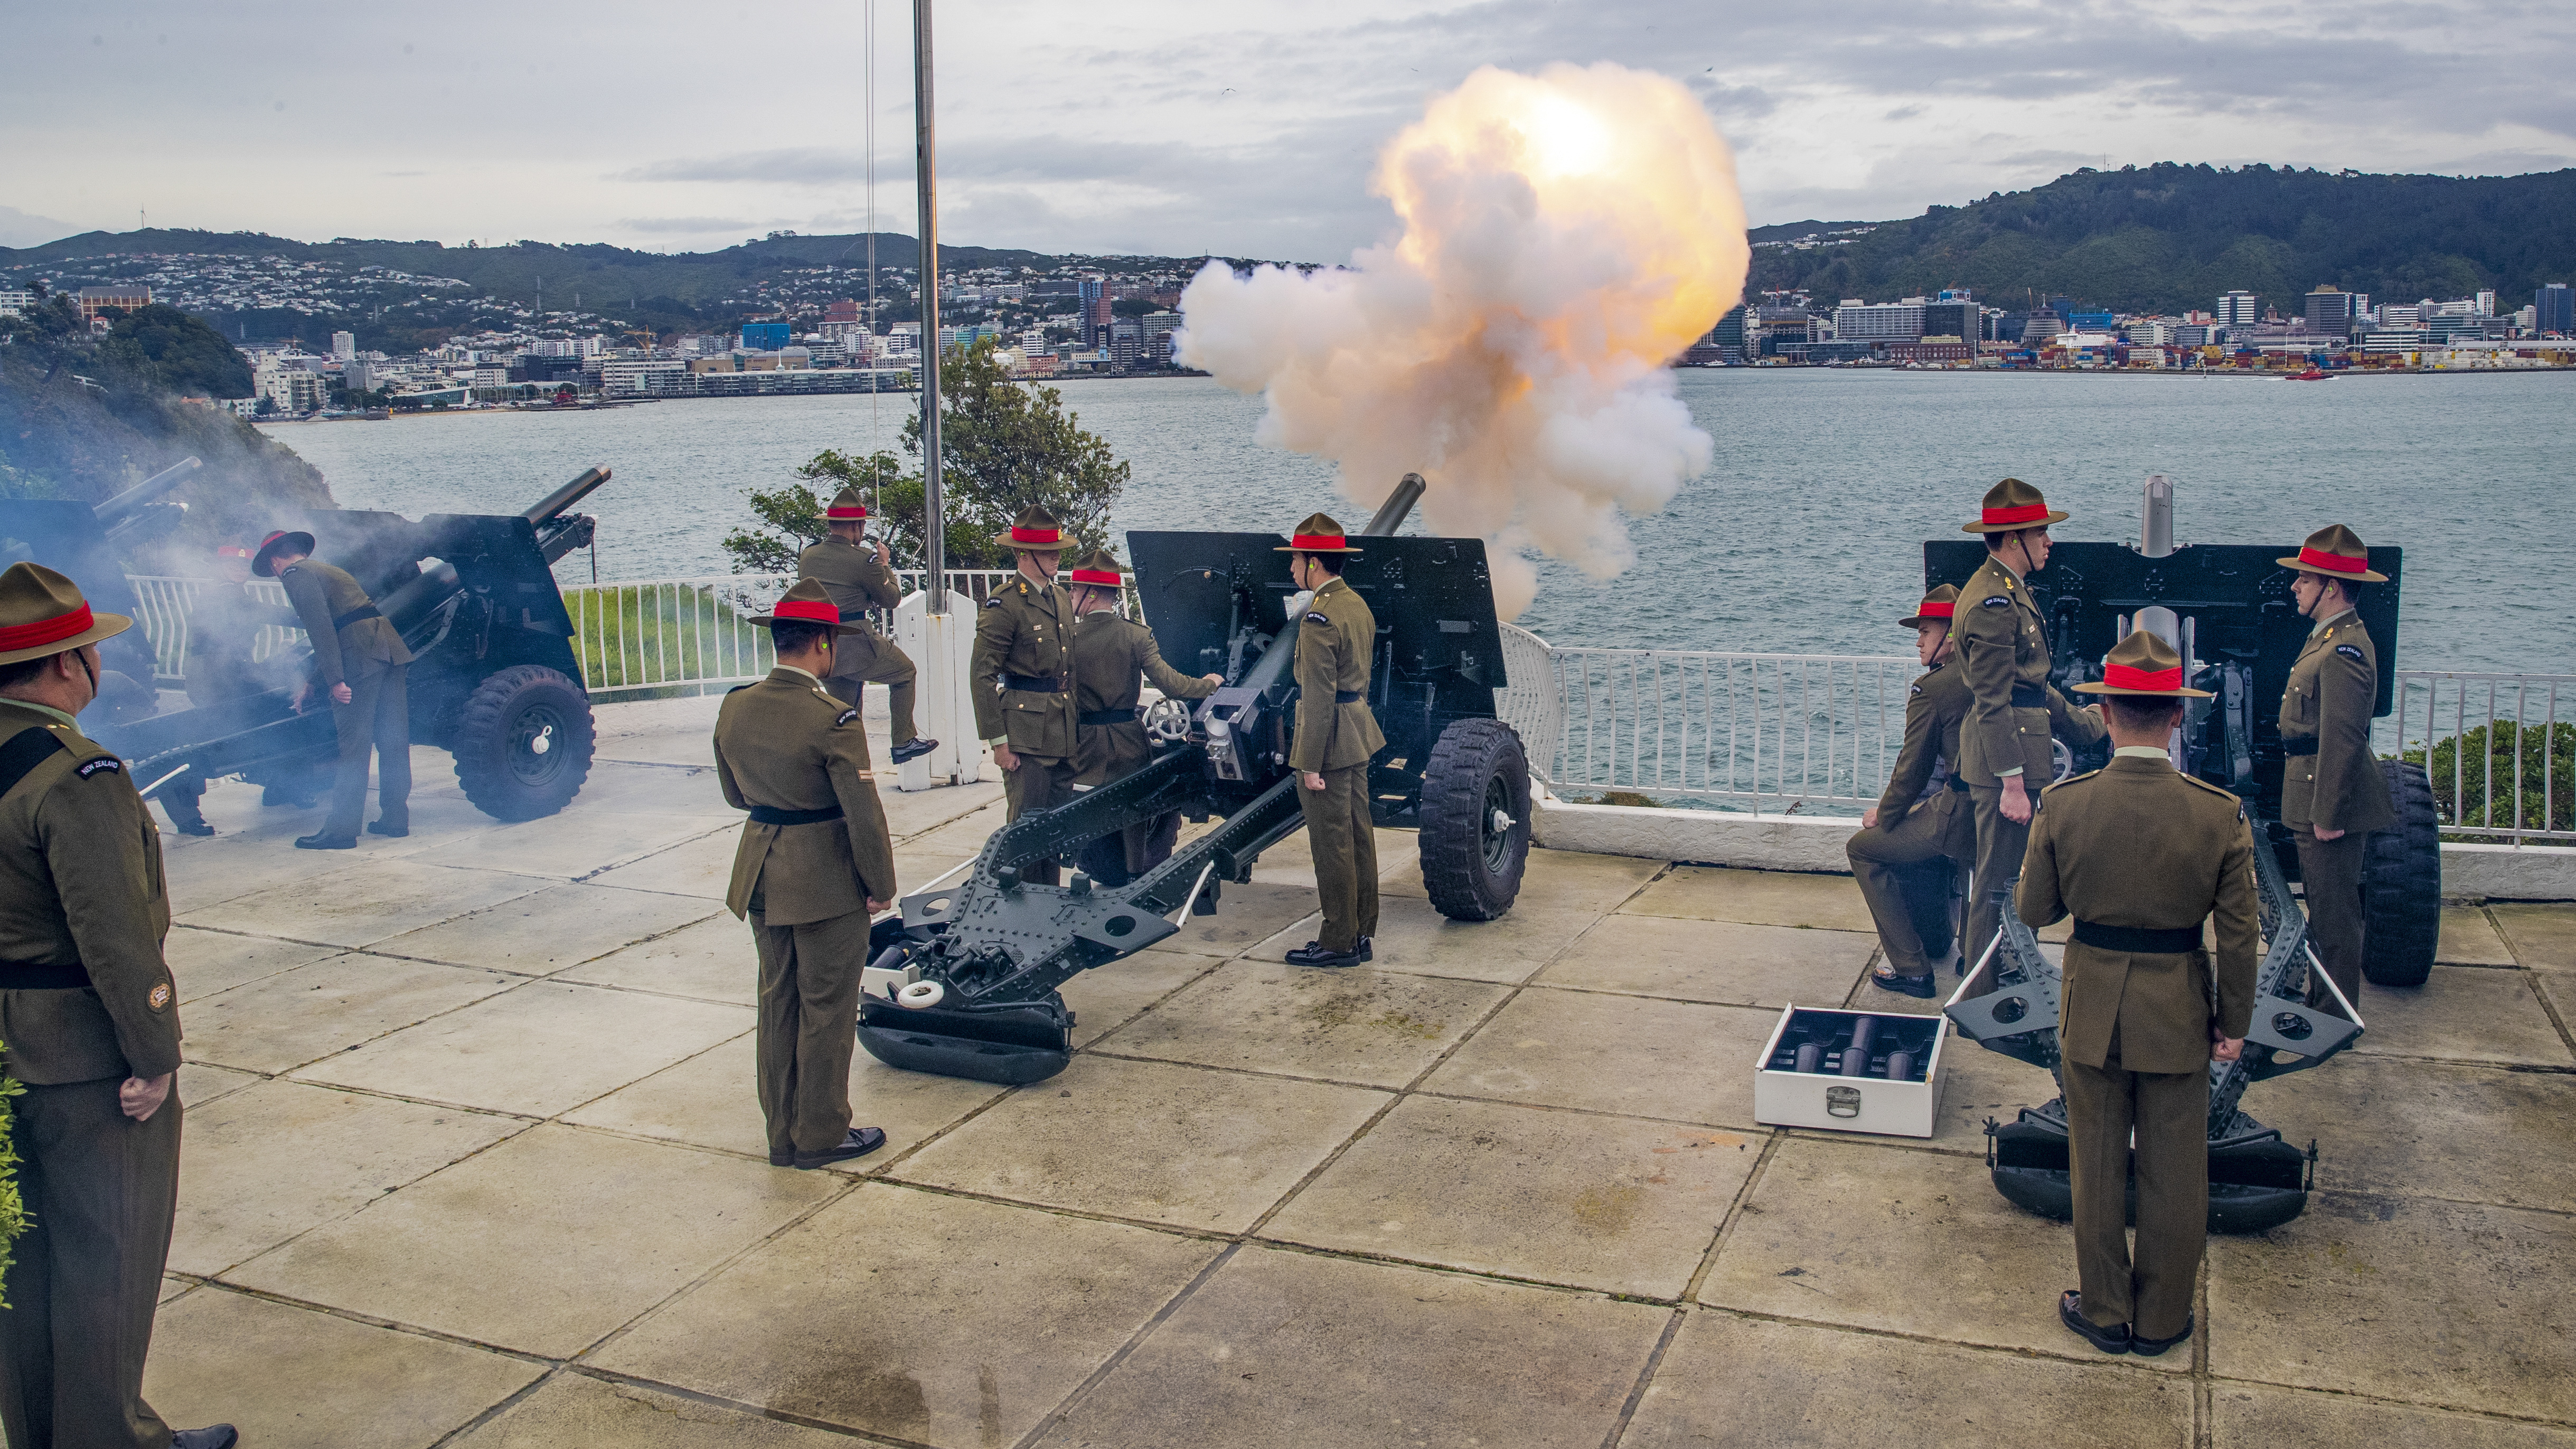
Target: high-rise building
{"points": [[344, 346], [1095, 311], [1953, 316], [845, 310], [2040, 326], [2329, 309], [2062, 306], [2486, 304], [2555, 309], [764, 336], [2239, 309], [1858, 321]]}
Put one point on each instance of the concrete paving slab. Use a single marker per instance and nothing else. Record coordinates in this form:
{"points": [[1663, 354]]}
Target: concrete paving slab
{"points": [[1900, 1241], [1977, 1084], [267, 1163], [1527, 1192], [200, 1084], [367, 902], [205, 962], [1757, 898], [1718, 961], [2469, 939], [931, 1319], [1108, 997], [228, 868], [1150, 1141], [687, 786], [1379, 1029], [2434, 1129], [543, 1244], [281, 1022], [576, 842], [1414, 938], [2257, 1416], [1678, 1061], [911, 814], [957, 834], [1246, 916], [1742, 1382], [573, 1408], [1562, 880], [711, 959], [916, 869], [550, 929], [1292, 861], [543, 1048], [174, 1288], [2451, 1304], [1285, 1350], [711, 1100], [289, 1378], [2465, 1013], [701, 867], [2543, 936]]}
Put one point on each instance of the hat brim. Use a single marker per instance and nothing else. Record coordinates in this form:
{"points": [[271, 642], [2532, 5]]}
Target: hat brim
{"points": [[2055, 516], [1006, 541], [1292, 548], [299, 541], [2366, 576], [102, 626], [2100, 688], [768, 620], [1919, 620]]}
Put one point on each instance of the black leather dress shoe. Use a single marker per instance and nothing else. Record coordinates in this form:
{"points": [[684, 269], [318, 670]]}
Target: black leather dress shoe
{"points": [[782, 1159], [319, 841], [2150, 1347], [2070, 1311], [192, 827], [394, 832], [213, 1436], [860, 1142], [1922, 987], [1368, 951], [1314, 954], [912, 749]]}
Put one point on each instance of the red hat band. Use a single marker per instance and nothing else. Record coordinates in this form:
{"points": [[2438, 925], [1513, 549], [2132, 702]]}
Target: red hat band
{"points": [[2122, 676], [809, 610], [2333, 562], [272, 538], [45, 631], [1317, 542], [1937, 609], [1038, 537], [1102, 577], [2019, 513], [851, 514]]}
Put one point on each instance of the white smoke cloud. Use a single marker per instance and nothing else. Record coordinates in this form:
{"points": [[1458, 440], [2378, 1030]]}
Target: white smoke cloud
{"points": [[1565, 236]]}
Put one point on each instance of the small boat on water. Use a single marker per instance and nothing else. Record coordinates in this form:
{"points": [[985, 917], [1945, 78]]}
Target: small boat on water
{"points": [[2313, 374]]}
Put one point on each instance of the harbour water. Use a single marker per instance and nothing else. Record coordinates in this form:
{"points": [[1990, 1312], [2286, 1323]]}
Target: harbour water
{"points": [[1803, 536]]}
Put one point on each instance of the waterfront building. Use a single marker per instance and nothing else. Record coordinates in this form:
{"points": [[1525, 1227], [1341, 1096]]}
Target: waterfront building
{"points": [[2096, 321], [2040, 327], [2149, 332], [2486, 304], [1858, 321], [643, 377], [344, 346], [2554, 310], [1954, 315], [2062, 306], [764, 336], [2239, 309], [2329, 310], [95, 300]]}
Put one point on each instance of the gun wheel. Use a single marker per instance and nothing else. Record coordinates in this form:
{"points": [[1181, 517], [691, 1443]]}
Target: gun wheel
{"points": [[2401, 884], [1475, 820], [523, 743]]}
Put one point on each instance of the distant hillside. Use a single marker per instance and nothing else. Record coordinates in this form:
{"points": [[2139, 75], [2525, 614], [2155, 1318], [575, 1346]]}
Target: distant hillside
{"points": [[2167, 237]]}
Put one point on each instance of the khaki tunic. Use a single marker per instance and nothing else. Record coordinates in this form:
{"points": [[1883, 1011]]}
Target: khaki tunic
{"points": [[1024, 631], [856, 582], [1935, 710], [2328, 699], [1336, 643], [322, 593], [786, 744], [1112, 658], [2002, 644]]}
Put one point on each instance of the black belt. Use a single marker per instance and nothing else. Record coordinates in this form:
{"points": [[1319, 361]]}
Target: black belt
{"points": [[2145, 940], [764, 815], [2295, 748], [2030, 696], [21, 976], [357, 615], [1349, 696], [1109, 716], [1959, 783], [1035, 683]]}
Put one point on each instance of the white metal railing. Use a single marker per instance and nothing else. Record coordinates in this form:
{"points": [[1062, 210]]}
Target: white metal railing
{"points": [[163, 606], [2499, 757]]}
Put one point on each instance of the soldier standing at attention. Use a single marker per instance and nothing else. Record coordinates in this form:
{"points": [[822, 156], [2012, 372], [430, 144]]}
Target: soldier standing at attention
{"points": [[815, 862], [2002, 644], [2332, 794], [1924, 814], [2141, 855], [1336, 736], [90, 1020], [359, 659], [859, 575], [1111, 654], [1023, 675]]}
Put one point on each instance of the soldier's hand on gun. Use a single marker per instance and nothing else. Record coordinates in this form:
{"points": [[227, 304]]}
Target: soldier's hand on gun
{"points": [[340, 694], [2016, 801], [303, 692], [1311, 780], [2223, 1047], [1213, 678], [1006, 757], [139, 1098]]}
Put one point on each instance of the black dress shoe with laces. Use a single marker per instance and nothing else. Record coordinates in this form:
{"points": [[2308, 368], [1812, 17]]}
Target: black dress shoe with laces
{"points": [[1314, 954], [2150, 1347], [394, 832], [860, 1142], [912, 749], [319, 841], [1920, 987], [213, 1436], [2070, 1311]]}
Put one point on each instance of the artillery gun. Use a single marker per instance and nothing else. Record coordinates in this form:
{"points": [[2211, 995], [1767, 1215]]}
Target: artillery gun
{"points": [[2226, 608], [493, 681], [964, 983]]}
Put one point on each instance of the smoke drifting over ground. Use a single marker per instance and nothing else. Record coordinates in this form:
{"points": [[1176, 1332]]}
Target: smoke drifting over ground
{"points": [[1566, 236]]}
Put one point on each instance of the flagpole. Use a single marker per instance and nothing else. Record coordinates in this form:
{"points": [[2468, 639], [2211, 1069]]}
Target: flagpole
{"points": [[934, 548]]}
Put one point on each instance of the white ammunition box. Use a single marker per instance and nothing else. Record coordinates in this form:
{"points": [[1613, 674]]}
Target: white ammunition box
{"points": [[1868, 1100]]}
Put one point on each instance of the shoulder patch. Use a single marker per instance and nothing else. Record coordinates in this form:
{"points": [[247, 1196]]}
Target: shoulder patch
{"points": [[1918, 689], [994, 602], [102, 763], [1318, 617], [1998, 601], [847, 715], [2347, 651], [160, 996]]}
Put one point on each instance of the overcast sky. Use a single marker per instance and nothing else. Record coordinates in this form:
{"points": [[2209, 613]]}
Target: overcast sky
{"points": [[1118, 126]]}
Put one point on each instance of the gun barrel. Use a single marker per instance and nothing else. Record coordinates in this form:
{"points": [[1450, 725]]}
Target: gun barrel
{"points": [[405, 605], [146, 491], [566, 496], [1391, 514]]}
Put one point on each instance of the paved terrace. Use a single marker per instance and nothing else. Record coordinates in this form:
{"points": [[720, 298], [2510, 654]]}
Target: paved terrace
{"points": [[472, 1158]]}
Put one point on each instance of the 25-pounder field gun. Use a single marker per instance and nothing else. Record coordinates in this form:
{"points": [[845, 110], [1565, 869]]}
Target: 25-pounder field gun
{"points": [[965, 982], [494, 680], [2227, 609]]}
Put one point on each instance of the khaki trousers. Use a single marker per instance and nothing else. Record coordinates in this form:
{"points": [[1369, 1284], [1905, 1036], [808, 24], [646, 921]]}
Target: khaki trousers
{"points": [[809, 1021], [892, 668], [1038, 784], [2169, 1112], [2000, 847], [1344, 842], [100, 1190], [2330, 872], [1940, 826], [377, 718]]}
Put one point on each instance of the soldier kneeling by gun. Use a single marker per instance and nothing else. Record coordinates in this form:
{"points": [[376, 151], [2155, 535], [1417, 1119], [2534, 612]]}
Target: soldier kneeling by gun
{"points": [[1111, 655], [1924, 816]]}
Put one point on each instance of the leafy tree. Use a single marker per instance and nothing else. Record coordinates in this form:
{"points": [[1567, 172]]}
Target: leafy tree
{"points": [[176, 352]]}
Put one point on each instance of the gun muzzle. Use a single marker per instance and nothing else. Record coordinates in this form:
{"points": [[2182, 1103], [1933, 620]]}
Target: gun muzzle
{"points": [[568, 495], [134, 498], [1391, 514]]}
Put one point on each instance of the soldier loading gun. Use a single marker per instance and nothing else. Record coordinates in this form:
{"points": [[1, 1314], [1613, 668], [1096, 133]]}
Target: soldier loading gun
{"points": [[1111, 655], [359, 663]]}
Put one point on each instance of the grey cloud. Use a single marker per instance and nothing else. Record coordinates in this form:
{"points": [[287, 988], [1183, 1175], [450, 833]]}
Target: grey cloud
{"points": [[26, 229], [683, 225]]}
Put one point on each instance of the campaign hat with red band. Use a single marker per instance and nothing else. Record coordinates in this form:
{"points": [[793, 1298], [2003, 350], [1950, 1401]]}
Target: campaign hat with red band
{"points": [[2144, 666], [1035, 531], [846, 507], [42, 613], [807, 603], [2013, 504], [1936, 608], [1318, 534], [1100, 571], [264, 562], [2335, 552]]}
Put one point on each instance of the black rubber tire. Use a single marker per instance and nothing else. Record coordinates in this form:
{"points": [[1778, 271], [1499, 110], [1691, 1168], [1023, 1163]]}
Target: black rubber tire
{"points": [[2401, 884], [1472, 871], [497, 764]]}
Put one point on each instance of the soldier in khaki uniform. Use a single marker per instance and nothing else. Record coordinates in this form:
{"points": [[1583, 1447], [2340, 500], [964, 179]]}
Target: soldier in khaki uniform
{"points": [[2002, 644], [359, 660], [90, 1020], [1111, 655], [2141, 855], [2332, 793], [815, 862], [859, 577], [1924, 814], [1336, 736], [1023, 675]]}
